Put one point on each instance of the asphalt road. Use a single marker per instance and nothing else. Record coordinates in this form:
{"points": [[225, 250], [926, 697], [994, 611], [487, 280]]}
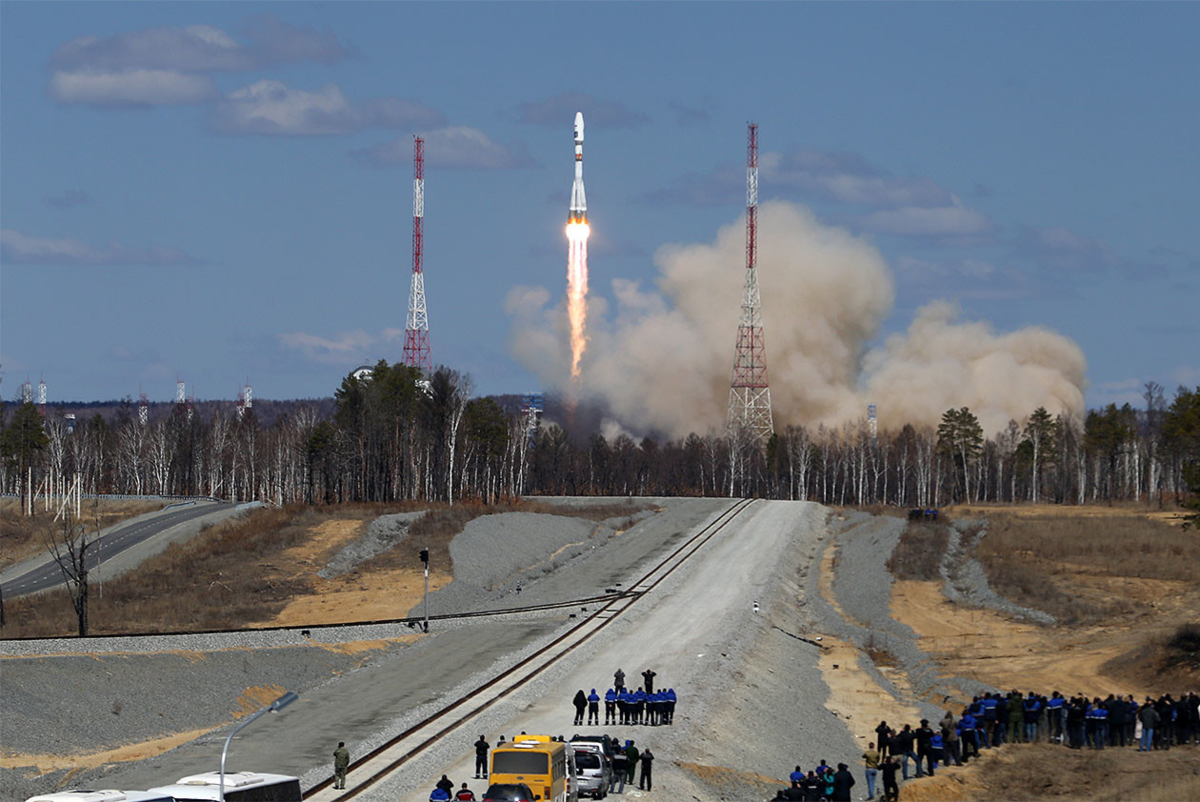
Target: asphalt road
{"points": [[111, 543]]}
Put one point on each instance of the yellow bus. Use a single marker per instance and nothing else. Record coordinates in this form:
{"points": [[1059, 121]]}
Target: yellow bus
{"points": [[539, 761]]}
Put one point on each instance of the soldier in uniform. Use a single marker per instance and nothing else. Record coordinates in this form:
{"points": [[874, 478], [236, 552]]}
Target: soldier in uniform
{"points": [[341, 764]]}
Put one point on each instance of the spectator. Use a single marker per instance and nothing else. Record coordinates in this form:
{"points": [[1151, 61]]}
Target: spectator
{"points": [[619, 762], [1150, 720], [891, 789], [646, 778], [870, 768], [593, 708], [580, 703], [843, 781], [465, 794], [481, 756]]}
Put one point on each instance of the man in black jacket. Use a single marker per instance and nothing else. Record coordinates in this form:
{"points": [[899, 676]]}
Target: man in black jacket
{"points": [[843, 781], [924, 734], [891, 791], [481, 756]]}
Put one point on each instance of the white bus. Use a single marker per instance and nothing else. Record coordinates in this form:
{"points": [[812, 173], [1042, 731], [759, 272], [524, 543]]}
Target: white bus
{"points": [[79, 795], [240, 786]]}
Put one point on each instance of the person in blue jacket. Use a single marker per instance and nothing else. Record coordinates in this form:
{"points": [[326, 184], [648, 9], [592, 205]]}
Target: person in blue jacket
{"points": [[610, 707], [671, 705], [593, 708], [639, 706], [966, 736], [1033, 712], [623, 701]]}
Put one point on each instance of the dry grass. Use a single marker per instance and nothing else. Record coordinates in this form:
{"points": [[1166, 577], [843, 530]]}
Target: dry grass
{"points": [[233, 575], [20, 537], [1074, 568], [1168, 660], [919, 552], [1041, 771]]}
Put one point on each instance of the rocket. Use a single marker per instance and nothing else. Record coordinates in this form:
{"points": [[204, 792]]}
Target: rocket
{"points": [[578, 212]]}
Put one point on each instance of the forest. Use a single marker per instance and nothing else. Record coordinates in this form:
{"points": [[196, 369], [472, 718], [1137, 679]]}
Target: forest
{"points": [[395, 434]]}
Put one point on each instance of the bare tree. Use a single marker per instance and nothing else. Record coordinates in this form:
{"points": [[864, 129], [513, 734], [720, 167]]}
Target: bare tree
{"points": [[68, 542]]}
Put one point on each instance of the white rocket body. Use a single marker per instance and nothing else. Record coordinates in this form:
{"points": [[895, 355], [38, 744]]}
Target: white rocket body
{"points": [[578, 209]]}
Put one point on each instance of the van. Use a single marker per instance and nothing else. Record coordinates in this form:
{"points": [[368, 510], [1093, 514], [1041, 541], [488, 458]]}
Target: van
{"points": [[593, 768]]}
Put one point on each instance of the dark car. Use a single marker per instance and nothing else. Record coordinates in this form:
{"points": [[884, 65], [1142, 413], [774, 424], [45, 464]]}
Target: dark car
{"points": [[508, 792], [608, 743]]}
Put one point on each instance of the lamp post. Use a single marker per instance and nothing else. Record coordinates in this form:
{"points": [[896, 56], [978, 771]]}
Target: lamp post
{"points": [[425, 559], [278, 704]]}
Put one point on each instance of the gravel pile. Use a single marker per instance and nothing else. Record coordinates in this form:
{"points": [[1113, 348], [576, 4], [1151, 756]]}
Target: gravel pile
{"points": [[862, 586], [383, 533], [496, 554], [966, 581]]}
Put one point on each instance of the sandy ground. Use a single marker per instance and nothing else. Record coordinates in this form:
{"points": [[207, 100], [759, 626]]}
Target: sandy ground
{"points": [[1010, 654]]}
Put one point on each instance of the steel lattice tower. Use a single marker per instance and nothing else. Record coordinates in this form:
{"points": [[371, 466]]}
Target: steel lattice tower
{"points": [[416, 331], [749, 393]]}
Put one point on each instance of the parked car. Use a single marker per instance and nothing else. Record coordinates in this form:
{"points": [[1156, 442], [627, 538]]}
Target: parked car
{"points": [[593, 769], [608, 743], [508, 792]]}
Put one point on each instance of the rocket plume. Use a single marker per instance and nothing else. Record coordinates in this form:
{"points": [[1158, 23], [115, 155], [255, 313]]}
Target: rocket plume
{"points": [[658, 359], [577, 288], [577, 269]]}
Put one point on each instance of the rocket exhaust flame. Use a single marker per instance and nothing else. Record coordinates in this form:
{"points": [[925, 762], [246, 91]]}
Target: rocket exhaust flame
{"points": [[577, 287], [577, 269]]}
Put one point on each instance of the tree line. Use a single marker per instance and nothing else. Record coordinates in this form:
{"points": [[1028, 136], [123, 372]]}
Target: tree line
{"points": [[395, 433]]}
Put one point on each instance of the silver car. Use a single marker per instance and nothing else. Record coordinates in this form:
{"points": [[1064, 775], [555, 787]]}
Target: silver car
{"points": [[593, 769]]}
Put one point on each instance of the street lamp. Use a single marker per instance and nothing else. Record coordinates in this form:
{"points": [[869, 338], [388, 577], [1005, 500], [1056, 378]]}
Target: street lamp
{"points": [[278, 704]]}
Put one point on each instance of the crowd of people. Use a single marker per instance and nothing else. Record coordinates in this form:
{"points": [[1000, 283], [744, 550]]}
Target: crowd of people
{"points": [[625, 707], [994, 719]]}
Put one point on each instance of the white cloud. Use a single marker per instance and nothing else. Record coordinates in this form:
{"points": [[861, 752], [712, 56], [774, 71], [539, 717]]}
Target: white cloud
{"points": [[199, 48], [18, 248], [452, 146], [344, 348], [132, 87], [953, 220], [169, 65], [271, 107]]}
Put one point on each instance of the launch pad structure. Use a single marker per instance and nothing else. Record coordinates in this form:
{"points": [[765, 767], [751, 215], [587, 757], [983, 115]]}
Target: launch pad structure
{"points": [[749, 391]]}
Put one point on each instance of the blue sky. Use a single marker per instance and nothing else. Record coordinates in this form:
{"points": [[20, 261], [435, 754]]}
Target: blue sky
{"points": [[223, 190]]}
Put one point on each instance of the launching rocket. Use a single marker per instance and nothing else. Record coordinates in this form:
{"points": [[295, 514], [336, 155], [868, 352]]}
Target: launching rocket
{"points": [[578, 212]]}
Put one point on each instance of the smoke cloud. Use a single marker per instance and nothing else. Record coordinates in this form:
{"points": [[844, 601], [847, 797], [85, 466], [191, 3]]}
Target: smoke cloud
{"points": [[662, 358]]}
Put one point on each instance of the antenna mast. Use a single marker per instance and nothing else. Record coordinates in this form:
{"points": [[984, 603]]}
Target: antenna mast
{"points": [[749, 392], [416, 330]]}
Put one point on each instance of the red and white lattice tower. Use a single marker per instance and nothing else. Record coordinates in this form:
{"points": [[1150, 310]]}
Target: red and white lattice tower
{"points": [[27, 393], [143, 407], [180, 390], [41, 398], [749, 393], [416, 330]]}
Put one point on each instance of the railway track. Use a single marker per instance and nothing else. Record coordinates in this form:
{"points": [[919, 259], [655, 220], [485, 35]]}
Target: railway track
{"points": [[371, 769]]}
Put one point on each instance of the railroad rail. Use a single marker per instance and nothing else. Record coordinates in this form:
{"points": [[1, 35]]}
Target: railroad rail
{"points": [[375, 766]]}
